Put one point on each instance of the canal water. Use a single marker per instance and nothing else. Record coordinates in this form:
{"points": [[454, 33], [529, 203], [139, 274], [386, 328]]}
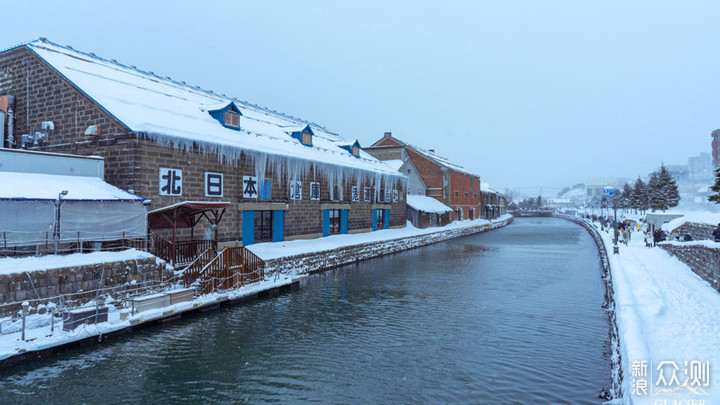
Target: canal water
{"points": [[508, 316]]}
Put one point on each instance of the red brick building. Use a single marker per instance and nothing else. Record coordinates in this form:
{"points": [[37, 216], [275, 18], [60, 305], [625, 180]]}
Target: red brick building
{"points": [[443, 180], [279, 177]]}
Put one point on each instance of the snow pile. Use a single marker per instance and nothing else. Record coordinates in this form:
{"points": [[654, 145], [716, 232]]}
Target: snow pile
{"points": [[27, 264], [34, 186], [665, 312], [427, 204], [698, 217], [274, 250]]}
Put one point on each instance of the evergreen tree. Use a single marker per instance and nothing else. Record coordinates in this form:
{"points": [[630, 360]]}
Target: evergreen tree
{"points": [[626, 196], [639, 199], [668, 189], [654, 195], [715, 196]]}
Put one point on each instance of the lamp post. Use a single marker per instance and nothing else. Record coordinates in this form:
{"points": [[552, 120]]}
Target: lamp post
{"points": [[58, 203], [147, 203]]}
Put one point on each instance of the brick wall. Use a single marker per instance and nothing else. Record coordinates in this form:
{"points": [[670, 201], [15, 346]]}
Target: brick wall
{"points": [[702, 260], [695, 230], [133, 164]]}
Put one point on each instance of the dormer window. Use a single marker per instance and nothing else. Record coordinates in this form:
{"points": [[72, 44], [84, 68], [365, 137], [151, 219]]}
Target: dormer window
{"points": [[302, 134], [228, 115], [232, 119], [352, 148]]}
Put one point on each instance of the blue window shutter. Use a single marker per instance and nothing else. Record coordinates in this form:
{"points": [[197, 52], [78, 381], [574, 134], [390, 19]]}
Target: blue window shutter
{"points": [[343, 221], [374, 220], [265, 189], [387, 219], [248, 227], [326, 222], [278, 226]]}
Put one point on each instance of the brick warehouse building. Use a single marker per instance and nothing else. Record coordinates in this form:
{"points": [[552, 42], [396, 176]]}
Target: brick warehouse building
{"points": [[282, 177], [443, 180]]}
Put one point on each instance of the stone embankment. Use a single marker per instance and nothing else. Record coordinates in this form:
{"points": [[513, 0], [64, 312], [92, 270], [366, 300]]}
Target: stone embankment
{"points": [[78, 284], [328, 259]]}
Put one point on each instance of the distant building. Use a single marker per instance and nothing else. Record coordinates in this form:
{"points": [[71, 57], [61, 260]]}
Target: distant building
{"points": [[715, 146], [432, 175], [493, 203]]}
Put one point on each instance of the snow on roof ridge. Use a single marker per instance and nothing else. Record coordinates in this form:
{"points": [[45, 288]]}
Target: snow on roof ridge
{"points": [[210, 93]]}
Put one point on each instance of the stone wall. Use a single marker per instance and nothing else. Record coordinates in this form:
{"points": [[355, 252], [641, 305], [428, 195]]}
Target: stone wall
{"points": [[695, 230], [702, 260], [313, 262], [80, 282]]}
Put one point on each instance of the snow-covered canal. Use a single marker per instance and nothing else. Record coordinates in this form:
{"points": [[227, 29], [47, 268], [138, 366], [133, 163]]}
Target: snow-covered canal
{"points": [[512, 315]]}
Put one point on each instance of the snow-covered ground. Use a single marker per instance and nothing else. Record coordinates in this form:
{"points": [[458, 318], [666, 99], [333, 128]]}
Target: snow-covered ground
{"points": [[665, 313], [10, 265], [274, 250]]}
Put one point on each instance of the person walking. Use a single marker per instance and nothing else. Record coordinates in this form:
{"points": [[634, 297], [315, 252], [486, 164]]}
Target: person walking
{"points": [[716, 233], [626, 235]]}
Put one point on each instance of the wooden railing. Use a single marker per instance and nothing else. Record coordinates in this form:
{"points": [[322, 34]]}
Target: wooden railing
{"points": [[179, 253], [193, 270], [233, 267]]}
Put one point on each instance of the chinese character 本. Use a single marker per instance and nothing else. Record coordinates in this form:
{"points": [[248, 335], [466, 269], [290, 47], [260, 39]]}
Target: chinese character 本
{"points": [[250, 187], [170, 181]]}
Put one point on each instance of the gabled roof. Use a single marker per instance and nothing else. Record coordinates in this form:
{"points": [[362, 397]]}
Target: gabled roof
{"points": [[173, 112], [442, 161]]}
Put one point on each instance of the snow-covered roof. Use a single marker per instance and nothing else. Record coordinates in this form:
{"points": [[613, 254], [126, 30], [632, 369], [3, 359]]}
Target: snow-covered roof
{"points": [[394, 163], [429, 154], [33, 186], [176, 113], [426, 204]]}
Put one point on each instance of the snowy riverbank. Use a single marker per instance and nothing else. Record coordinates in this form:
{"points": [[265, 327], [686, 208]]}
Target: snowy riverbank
{"points": [[274, 250], [666, 313]]}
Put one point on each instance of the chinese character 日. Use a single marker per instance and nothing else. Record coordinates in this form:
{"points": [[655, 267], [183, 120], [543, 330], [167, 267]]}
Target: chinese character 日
{"points": [[213, 184], [170, 181]]}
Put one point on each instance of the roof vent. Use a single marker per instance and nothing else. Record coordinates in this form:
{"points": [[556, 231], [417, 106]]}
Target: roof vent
{"points": [[93, 54], [431, 150]]}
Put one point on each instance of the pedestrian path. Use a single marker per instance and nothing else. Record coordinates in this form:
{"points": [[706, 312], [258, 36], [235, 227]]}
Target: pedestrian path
{"points": [[666, 313]]}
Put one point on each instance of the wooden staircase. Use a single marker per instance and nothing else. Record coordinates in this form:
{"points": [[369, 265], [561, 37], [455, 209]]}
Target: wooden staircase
{"points": [[232, 267]]}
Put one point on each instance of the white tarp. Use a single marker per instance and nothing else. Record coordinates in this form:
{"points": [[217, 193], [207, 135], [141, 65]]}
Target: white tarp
{"points": [[91, 211]]}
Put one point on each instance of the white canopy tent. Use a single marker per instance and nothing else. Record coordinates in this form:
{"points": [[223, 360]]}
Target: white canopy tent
{"points": [[92, 210]]}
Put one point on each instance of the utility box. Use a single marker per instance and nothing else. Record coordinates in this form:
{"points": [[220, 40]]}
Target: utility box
{"points": [[90, 315], [184, 295], [149, 302]]}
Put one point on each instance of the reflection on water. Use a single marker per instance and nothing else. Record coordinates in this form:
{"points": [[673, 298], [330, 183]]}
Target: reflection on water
{"points": [[512, 315]]}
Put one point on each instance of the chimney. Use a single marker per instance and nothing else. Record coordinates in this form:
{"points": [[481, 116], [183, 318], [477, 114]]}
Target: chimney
{"points": [[387, 135]]}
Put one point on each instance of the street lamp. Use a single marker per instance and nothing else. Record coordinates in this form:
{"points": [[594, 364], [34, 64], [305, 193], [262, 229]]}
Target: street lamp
{"points": [[58, 203]]}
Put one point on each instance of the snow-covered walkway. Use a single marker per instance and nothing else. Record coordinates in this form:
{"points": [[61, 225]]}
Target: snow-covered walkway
{"points": [[666, 313]]}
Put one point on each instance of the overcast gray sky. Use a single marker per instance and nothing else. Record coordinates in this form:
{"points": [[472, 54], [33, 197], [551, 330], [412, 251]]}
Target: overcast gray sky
{"points": [[525, 93]]}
